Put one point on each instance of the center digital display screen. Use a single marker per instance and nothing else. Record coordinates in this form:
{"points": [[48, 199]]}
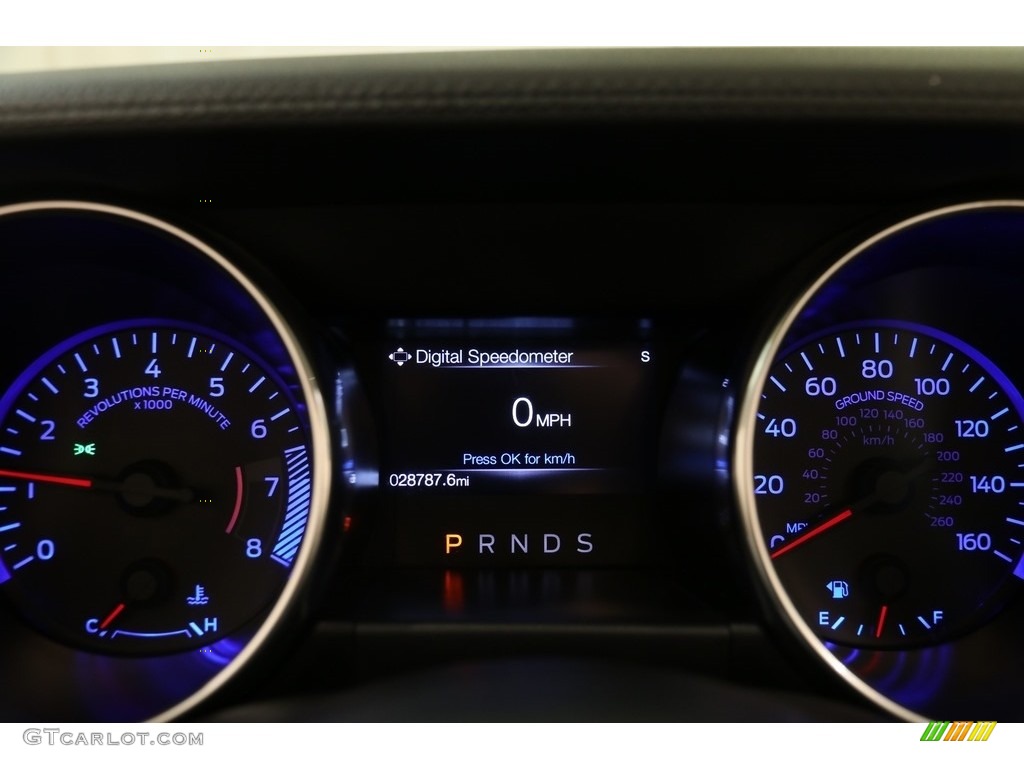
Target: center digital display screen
{"points": [[502, 441]]}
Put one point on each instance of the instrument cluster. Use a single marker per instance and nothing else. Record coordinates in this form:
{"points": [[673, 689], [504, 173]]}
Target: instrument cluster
{"points": [[187, 458]]}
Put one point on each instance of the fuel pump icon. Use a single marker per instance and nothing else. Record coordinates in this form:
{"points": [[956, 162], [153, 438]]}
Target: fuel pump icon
{"points": [[839, 589]]}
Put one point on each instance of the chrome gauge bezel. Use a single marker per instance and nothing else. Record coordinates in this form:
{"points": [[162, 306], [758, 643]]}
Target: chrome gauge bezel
{"points": [[772, 588], [288, 603]]}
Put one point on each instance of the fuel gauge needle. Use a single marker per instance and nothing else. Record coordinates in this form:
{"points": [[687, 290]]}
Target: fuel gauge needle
{"points": [[811, 533], [881, 620]]}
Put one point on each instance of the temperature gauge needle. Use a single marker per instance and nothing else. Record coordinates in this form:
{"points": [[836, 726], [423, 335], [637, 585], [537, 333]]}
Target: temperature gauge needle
{"points": [[812, 532], [112, 615]]}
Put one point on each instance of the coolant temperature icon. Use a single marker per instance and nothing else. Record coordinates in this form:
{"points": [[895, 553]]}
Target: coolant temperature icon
{"points": [[839, 589]]}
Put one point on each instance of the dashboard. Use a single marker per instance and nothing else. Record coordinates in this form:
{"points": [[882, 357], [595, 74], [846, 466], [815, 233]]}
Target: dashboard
{"points": [[662, 385]]}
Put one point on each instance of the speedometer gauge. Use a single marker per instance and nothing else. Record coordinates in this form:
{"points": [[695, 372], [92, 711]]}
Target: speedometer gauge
{"points": [[879, 465], [888, 473]]}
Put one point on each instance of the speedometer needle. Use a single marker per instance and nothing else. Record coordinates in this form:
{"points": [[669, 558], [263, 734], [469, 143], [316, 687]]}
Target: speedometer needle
{"points": [[810, 534]]}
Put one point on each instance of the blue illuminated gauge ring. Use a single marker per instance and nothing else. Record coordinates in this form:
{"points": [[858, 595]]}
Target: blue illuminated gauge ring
{"points": [[163, 490], [879, 474]]}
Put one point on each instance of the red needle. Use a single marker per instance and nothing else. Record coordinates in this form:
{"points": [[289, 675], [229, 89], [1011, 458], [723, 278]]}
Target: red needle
{"points": [[881, 620], [808, 535], [78, 482], [113, 615]]}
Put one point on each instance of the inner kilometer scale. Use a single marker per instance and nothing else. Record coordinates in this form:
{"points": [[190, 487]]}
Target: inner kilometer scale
{"points": [[154, 488], [889, 483]]}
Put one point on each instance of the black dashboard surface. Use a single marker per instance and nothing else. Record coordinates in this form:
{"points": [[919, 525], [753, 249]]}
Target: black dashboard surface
{"points": [[675, 201]]}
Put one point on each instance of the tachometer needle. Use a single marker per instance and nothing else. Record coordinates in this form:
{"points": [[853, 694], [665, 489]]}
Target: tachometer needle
{"points": [[810, 534], [78, 482], [140, 483]]}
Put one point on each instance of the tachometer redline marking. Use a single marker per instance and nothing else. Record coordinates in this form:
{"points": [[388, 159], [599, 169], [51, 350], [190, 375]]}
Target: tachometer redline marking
{"points": [[813, 532], [238, 500]]}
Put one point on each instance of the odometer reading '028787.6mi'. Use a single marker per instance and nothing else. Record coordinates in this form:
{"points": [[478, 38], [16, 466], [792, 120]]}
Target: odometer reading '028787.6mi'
{"points": [[888, 477], [154, 488]]}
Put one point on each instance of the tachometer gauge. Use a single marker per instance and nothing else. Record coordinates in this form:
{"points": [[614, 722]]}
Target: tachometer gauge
{"points": [[154, 488], [888, 473], [166, 458]]}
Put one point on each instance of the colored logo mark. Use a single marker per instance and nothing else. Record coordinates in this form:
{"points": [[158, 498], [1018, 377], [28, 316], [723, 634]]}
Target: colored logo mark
{"points": [[958, 731]]}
